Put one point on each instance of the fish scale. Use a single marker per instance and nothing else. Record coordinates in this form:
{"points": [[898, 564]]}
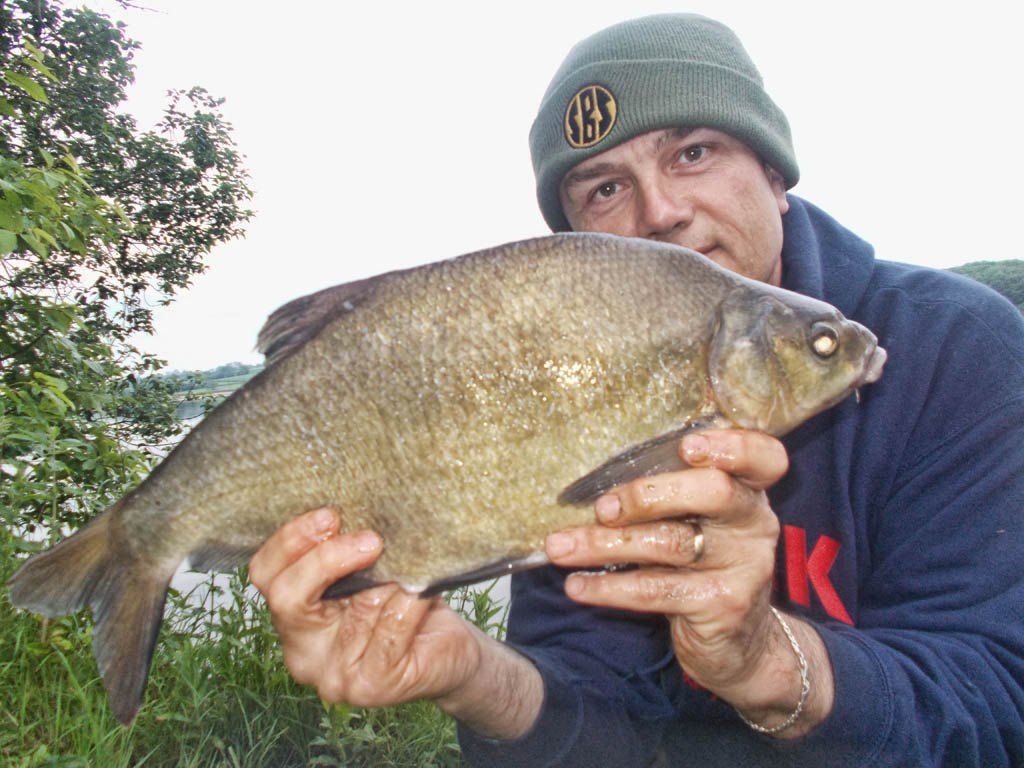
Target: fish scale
{"points": [[464, 410]]}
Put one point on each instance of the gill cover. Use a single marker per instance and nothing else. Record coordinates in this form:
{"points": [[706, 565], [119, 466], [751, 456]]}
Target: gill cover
{"points": [[776, 358], [739, 366]]}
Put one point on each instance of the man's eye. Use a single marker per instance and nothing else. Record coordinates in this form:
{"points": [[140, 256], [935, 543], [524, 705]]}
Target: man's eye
{"points": [[693, 153], [606, 190]]}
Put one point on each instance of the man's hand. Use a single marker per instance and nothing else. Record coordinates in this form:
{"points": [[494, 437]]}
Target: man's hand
{"points": [[384, 646], [724, 634]]}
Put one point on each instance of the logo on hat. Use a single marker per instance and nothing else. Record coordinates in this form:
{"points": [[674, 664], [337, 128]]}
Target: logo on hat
{"points": [[590, 115]]}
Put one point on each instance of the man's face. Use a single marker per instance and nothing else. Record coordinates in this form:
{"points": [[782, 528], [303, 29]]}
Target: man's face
{"points": [[699, 188]]}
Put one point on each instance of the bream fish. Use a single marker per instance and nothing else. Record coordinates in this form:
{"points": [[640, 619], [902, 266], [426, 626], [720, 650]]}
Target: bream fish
{"points": [[462, 409]]}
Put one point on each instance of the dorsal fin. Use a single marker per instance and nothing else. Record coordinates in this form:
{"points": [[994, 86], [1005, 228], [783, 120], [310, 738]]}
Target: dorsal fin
{"points": [[294, 323]]}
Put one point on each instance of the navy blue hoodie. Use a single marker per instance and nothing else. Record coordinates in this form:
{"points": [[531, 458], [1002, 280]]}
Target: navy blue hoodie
{"points": [[902, 542]]}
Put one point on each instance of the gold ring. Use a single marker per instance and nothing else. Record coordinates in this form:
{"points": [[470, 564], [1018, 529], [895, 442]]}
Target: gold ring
{"points": [[698, 541]]}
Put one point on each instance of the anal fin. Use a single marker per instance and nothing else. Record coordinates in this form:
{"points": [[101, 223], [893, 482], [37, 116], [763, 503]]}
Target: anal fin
{"points": [[217, 556], [360, 580], [351, 584]]}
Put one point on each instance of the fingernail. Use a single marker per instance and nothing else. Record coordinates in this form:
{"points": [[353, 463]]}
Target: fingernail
{"points": [[696, 448], [574, 586], [608, 508], [367, 541], [560, 544], [322, 520]]}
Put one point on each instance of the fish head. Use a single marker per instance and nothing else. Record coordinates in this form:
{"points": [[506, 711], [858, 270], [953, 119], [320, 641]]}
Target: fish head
{"points": [[777, 358]]}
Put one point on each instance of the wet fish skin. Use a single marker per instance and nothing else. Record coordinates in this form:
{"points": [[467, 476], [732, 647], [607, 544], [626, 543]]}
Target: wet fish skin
{"points": [[464, 410]]}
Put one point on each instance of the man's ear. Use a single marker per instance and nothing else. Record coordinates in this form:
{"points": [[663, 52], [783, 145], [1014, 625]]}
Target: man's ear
{"points": [[778, 185]]}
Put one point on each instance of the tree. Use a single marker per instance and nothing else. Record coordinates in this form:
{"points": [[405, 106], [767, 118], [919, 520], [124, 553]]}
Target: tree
{"points": [[99, 221], [1006, 277], [178, 192]]}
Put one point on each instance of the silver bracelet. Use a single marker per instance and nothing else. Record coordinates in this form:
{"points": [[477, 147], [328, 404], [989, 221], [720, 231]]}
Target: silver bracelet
{"points": [[805, 685]]}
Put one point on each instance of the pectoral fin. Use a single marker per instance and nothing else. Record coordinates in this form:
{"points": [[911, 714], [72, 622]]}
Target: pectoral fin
{"points": [[490, 571], [658, 455]]}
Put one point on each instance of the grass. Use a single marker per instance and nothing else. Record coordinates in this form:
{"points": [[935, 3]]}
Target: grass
{"points": [[218, 695]]}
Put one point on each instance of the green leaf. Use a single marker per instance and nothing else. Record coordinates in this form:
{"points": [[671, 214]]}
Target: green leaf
{"points": [[41, 250], [53, 179], [10, 219], [70, 162], [27, 84], [33, 49], [8, 241], [41, 68], [51, 381], [42, 234], [57, 399]]}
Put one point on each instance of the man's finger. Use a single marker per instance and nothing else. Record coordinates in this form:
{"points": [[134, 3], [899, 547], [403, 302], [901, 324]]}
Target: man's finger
{"points": [[675, 543], [755, 458], [395, 631], [700, 492], [290, 542], [300, 584], [655, 590]]}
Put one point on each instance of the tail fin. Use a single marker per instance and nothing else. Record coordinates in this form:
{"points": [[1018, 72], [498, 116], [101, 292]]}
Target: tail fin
{"points": [[127, 600]]}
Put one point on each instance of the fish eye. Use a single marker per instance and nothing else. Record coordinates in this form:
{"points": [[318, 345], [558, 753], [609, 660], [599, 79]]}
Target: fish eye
{"points": [[824, 340]]}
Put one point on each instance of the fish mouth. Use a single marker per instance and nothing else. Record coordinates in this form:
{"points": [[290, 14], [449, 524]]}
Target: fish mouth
{"points": [[869, 374], [873, 368]]}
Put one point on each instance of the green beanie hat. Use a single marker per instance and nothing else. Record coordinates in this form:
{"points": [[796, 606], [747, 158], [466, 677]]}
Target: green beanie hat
{"points": [[663, 71]]}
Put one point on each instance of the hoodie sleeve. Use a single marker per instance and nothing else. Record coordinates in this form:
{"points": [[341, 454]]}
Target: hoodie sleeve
{"points": [[931, 670]]}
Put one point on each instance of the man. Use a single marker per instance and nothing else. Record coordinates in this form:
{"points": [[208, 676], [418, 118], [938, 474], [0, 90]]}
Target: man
{"points": [[852, 595]]}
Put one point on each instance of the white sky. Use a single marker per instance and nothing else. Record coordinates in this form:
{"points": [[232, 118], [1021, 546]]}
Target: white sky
{"points": [[388, 134]]}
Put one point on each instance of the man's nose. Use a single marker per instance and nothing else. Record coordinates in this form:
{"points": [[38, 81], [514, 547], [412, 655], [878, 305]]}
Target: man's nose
{"points": [[663, 209]]}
